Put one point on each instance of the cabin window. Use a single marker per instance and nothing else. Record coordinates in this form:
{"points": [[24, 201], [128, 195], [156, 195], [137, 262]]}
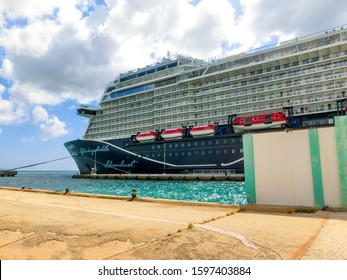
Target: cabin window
{"points": [[241, 151], [203, 143], [153, 147], [182, 154], [225, 152], [153, 155], [217, 152], [189, 144], [182, 145], [225, 141], [189, 153], [158, 155], [196, 144], [233, 151], [210, 152], [209, 142], [217, 142], [176, 145], [170, 154], [170, 146], [202, 153], [176, 154]]}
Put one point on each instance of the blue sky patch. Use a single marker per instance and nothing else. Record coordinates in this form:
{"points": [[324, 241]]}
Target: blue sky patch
{"points": [[18, 22]]}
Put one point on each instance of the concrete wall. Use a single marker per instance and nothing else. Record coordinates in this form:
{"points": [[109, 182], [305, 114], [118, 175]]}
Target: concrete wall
{"points": [[299, 167]]}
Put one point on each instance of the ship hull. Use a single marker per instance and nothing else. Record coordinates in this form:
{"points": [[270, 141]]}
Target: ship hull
{"points": [[219, 154]]}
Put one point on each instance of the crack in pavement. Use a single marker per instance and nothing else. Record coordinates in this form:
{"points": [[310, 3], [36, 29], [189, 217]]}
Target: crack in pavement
{"points": [[248, 243], [18, 240]]}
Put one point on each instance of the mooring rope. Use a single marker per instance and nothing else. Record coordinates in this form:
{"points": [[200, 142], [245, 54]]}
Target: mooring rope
{"points": [[39, 163], [48, 161]]}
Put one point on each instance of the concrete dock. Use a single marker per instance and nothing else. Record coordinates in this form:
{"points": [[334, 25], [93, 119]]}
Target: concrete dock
{"points": [[48, 225]]}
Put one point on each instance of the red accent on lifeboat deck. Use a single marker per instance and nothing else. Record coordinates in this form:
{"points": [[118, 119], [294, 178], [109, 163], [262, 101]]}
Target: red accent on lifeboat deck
{"points": [[146, 136], [203, 130], [261, 121], [172, 133]]}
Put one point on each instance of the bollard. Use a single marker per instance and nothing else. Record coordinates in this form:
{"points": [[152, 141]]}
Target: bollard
{"points": [[133, 194]]}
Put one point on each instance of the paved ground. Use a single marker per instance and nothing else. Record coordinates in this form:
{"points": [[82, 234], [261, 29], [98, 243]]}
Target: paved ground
{"points": [[39, 225]]}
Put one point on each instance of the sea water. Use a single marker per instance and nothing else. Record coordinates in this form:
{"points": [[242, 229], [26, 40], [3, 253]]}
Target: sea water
{"points": [[224, 192]]}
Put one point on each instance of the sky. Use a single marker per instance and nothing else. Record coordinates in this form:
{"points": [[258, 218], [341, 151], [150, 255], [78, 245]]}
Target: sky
{"points": [[58, 54]]}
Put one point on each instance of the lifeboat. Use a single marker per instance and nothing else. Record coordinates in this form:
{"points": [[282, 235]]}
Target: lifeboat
{"points": [[258, 122], [146, 136], [204, 130], [172, 133]]}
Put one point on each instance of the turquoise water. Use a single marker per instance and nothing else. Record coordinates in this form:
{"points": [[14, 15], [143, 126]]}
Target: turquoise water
{"points": [[224, 192]]}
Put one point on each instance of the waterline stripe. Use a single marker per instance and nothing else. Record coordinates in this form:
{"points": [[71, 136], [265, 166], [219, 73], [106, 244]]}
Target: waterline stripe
{"points": [[316, 169], [248, 155]]}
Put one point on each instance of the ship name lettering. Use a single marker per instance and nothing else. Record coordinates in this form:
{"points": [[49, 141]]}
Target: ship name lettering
{"points": [[104, 148], [110, 164]]}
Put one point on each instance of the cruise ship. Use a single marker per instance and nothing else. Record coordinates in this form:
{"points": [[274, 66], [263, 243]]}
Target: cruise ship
{"points": [[187, 115]]}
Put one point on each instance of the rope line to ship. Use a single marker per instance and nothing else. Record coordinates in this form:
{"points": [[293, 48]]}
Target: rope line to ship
{"points": [[53, 160]]}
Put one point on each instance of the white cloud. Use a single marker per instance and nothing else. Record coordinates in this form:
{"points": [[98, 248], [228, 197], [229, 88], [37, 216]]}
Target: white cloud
{"points": [[11, 112], [30, 10], [52, 128], [6, 70], [39, 114], [265, 18], [57, 55]]}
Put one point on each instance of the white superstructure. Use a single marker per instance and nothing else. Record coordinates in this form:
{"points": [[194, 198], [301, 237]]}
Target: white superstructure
{"points": [[308, 73]]}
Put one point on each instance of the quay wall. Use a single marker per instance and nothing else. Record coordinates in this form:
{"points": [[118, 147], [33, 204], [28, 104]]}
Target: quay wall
{"points": [[305, 167]]}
